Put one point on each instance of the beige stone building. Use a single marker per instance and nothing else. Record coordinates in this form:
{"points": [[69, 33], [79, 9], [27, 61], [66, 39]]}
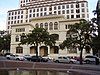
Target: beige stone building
{"points": [[54, 15], [55, 25]]}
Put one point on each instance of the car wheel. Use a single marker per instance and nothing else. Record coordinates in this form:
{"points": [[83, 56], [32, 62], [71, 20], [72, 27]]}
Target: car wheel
{"points": [[57, 61], [8, 58], [18, 59], [87, 61], [71, 62]]}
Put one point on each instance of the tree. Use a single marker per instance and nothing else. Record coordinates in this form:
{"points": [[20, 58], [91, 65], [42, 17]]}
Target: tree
{"points": [[37, 37], [79, 35], [4, 41]]}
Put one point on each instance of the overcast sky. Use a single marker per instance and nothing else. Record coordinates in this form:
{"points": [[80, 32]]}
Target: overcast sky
{"points": [[6, 5]]}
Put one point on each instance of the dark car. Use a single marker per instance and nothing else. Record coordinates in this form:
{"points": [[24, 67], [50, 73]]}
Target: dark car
{"points": [[38, 59]]}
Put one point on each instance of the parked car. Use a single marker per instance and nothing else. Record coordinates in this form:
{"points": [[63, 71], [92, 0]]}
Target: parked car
{"points": [[18, 57], [28, 57], [10, 57], [38, 59], [63, 59], [91, 59]]}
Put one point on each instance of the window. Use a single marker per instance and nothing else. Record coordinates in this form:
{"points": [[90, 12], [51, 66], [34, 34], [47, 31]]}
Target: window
{"points": [[83, 10], [21, 16], [66, 26], [59, 7], [77, 5], [45, 9], [83, 15], [37, 14], [8, 22], [33, 10], [77, 11], [11, 22], [67, 16], [17, 38], [72, 11], [33, 15], [15, 17], [45, 14], [41, 14], [50, 9], [21, 12], [63, 12], [77, 16], [37, 10], [67, 11], [18, 12], [30, 15], [59, 12], [50, 26], [55, 8], [55, 26], [72, 6], [37, 25], [82, 5], [41, 9], [19, 49], [9, 14], [72, 16], [46, 25], [18, 17], [30, 11], [8, 18], [54, 12], [63, 7], [15, 13], [20, 29], [41, 25], [67, 6]]}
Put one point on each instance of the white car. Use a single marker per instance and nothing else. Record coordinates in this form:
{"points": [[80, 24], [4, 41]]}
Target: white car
{"points": [[10, 57], [65, 60], [91, 59], [20, 57]]}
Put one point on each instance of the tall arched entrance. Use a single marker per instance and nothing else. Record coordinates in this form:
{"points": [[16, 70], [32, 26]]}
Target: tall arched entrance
{"points": [[33, 49], [43, 51], [54, 50]]}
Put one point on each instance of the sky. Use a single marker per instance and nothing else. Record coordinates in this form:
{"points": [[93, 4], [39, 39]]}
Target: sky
{"points": [[6, 5]]}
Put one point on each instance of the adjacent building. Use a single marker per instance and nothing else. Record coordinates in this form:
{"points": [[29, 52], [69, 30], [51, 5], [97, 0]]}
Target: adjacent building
{"points": [[54, 15]]}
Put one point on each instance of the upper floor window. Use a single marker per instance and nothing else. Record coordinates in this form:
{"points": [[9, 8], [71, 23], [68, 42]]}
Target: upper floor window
{"points": [[72, 6], [82, 5], [17, 38], [55, 26], [59, 7], [37, 25], [41, 25], [67, 6], [77, 5], [50, 26], [46, 25]]}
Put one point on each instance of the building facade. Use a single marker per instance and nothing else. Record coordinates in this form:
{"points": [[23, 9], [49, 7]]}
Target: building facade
{"points": [[54, 15]]}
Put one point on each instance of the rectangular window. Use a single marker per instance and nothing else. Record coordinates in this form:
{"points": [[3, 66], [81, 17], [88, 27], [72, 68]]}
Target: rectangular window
{"points": [[77, 16], [67, 11], [72, 11], [67, 6], [59, 7], [72, 16], [77, 10], [72, 6], [63, 12], [63, 7], [83, 10]]}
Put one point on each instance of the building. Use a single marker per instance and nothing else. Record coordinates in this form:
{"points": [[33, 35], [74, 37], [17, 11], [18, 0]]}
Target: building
{"points": [[54, 15]]}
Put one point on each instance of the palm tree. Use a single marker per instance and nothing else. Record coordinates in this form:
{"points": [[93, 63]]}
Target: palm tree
{"points": [[79, 35], [37, 37]]}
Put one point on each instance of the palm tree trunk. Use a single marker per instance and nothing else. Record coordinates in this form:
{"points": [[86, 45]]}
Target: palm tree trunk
{"points": [[37, 50], [81, 60]]}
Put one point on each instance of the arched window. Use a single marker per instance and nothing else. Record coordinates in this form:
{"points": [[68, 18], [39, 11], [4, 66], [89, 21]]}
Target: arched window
{"points": [[55, 26], [55, 36], [46, 25], [17, 38], [50, 26], [37, 25], [19, 49], [41, 25]]}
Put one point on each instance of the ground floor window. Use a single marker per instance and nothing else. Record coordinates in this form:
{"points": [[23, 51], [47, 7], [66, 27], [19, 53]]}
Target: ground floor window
{"points": [[19, 49]]}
